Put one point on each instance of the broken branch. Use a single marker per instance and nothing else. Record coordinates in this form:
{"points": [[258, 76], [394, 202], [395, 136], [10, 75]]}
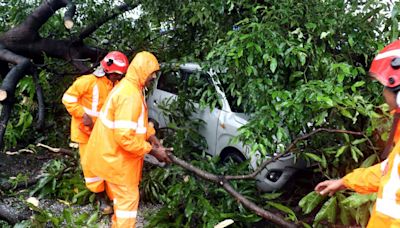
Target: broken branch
{"points": [[57, 150], [288, 150]]}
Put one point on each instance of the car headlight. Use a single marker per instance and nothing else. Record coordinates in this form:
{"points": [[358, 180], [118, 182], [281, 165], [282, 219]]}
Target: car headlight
{"points": [[273, 175]]}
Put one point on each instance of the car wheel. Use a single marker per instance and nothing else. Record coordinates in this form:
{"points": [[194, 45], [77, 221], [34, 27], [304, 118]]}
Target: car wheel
{"points": [[232, 156]]}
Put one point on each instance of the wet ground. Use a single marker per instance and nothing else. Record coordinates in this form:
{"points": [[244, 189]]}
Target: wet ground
{"points": [[27, 166]]}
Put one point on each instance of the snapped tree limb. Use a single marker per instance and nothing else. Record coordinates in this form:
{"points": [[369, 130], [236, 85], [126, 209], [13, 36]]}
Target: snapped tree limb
{"points": [[289, 150]]}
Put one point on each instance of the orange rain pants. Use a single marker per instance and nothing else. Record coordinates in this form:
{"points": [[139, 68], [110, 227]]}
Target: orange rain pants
{"points": [[93, 183]]}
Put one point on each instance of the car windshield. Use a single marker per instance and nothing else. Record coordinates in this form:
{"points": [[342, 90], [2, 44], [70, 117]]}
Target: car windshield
{"points": [[232, 98]]}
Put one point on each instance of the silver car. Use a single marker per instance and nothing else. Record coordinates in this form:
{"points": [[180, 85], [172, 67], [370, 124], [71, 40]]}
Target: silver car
{"points": [[221, 125]]}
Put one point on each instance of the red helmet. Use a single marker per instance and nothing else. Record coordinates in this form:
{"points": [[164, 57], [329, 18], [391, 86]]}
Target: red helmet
{"points": [[386, 66], [113, 62]]}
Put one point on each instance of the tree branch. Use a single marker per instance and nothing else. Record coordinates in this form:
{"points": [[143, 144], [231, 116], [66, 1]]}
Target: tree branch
{"points": [[42, 13], [4, 69], [69, 14], [14, 75], [93, 27], [40, 100], [57, 150], [221, 180], [288, 150], [7, 88]]}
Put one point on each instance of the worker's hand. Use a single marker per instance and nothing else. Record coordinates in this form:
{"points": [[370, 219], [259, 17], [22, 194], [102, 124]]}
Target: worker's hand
{"points": [[154, 141], [161, 153], [330, 187], [87, 120]]}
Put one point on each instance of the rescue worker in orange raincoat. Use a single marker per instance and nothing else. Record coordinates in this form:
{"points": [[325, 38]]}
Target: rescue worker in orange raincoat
{"points": [[122, 137], [83, 100], [383, 178]]}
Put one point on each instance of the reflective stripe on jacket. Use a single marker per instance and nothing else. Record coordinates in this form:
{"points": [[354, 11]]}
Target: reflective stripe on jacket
{"points": [[86, 95], [382, 178], [119, 138]]}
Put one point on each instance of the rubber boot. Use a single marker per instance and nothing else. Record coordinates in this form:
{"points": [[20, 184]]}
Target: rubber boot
{"points": [[104, 205]]}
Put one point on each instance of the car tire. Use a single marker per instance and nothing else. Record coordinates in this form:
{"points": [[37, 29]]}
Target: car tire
{"points": [[234, 156]]}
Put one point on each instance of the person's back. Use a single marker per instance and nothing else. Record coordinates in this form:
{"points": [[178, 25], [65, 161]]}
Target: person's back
{"points": [[112, 135]]}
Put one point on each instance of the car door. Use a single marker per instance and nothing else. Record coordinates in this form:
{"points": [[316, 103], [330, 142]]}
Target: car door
{"points": [[210, 117], [166, 88]]}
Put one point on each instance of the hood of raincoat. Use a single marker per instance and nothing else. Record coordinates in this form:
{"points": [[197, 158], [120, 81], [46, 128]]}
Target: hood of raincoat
{"points": [[141, 67]]}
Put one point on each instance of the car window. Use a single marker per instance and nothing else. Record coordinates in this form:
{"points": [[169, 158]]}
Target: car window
{"points": [[232, 99], [169, 81], [196, 84], [199, 85]]}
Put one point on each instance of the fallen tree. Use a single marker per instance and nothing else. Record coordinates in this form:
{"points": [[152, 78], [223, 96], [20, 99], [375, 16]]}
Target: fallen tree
{"points": [[23, 49]]}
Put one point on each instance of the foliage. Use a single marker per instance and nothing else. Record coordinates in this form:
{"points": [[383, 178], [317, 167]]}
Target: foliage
{"points": [[20, 178], [341, 208], [68, 218], [62, 179]]}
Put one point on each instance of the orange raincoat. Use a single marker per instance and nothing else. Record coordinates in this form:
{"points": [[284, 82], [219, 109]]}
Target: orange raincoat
{"points": [[86, 95], [382, 178], [119, 139]]}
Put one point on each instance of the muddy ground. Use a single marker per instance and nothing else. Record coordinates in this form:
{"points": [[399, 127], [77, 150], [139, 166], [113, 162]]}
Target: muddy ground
{"points": [[29, 165]]}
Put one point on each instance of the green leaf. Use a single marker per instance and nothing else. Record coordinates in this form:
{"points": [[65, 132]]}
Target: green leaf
{"points": [[324, 163], [369, 161], [273, 65], [351, 41], [341, 150], [302, 57], [359, 141], [92, 220], [313, 157], [327, 212], [189, 209], [362, 215], [340, 77], [250, 58], [345, 213], [79, 195], [354, 154], [323, 35], [357, 84], [271, 196], [358, 151], [285, 209], [67, 214], [310, 201], [356, 200], [346, 113], [346, 137]]}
